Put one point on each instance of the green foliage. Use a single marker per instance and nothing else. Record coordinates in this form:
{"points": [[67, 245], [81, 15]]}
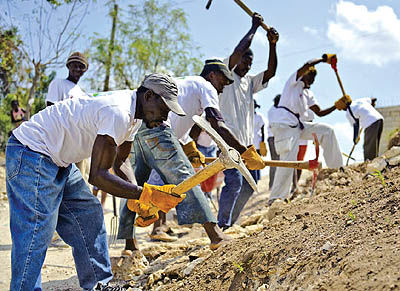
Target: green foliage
{"points": [[239, 266], [378, 174], [151, 36], [352, 216]]}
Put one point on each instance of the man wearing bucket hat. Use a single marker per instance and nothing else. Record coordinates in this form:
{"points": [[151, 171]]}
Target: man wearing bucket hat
{"points": [[163, 149], [47, 192], [61, 89]]}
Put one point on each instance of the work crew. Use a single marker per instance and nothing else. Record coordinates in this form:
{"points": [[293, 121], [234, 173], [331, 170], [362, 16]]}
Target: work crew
{"points": [[259, 136], [271, 144], [160, 149]]}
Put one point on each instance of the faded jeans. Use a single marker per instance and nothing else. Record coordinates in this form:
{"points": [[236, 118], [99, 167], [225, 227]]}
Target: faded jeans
{"points": [[234, 196], [159, 149], [43, 198]]}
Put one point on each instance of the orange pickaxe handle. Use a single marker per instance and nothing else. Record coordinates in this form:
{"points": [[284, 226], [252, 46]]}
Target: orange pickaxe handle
{"points": [[249, 12]]}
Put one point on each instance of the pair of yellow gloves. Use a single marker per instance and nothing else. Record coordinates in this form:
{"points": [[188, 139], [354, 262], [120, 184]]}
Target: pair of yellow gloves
{"points": [[153, 199], [251, 158]]}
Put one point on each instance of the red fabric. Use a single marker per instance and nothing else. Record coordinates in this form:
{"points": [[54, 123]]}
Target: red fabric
{"points": [[302, 152], [212, 182], [333, 64]]}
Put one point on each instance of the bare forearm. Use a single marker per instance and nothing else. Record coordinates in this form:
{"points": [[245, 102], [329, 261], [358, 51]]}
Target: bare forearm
{"points": [[272, 63], [324, 112], [228, 137], [114, 185]]}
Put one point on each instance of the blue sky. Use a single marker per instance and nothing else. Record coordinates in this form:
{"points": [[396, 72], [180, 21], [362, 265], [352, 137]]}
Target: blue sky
{"points": [[365, 35]]}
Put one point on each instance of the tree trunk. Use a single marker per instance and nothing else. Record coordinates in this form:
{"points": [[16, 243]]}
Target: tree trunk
{"points": [[114, 15], [31, 96]]}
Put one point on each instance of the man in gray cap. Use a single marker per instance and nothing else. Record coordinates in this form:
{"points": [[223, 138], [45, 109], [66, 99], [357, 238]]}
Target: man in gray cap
{"points": [[46, 191], [170, 150]]}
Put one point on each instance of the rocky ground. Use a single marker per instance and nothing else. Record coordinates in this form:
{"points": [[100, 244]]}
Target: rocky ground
{"points": [[344, 237]]}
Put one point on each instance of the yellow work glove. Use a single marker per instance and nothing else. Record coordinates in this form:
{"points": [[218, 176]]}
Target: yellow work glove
{"points": [[263, 149], [328, 58], [160, 196], [195, 156], [343, 102], [146, 214], [252, 159]]}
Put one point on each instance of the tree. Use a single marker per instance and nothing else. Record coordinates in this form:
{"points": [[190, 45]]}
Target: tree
{"points": [[149, 37], [48, 38]]}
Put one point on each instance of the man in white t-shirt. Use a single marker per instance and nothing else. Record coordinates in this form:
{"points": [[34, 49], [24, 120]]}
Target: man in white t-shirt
{"points": [[47, 192], [288, 127], [361, 113], [160, 149], [61, 89], [237, 107], [259, 135]]}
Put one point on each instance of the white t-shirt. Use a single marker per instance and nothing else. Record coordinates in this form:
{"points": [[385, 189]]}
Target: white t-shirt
{"points": [[364, 111], [295, 98], [195, 94], [205, 140], [237, 104], [272, 112], [259, 122], [61, 89], [67, 130]]}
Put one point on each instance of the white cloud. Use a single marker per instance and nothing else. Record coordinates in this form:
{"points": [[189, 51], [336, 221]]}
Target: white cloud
{"points": [[310, 30], [371, 37]]}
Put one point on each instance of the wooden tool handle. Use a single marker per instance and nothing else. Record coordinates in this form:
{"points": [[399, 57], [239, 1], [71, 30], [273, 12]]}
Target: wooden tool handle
{"points": [[249, 12], [340, 83], [199, 177], [304, 165]]}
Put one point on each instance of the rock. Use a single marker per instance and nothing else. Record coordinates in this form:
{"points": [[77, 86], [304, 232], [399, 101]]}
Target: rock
{"points": [[153, 278], [327, 246], [378, 163], [126, 268], [251, 220], [251, 229], [263, 287], [394, 161], [291, 261], [189, 269], [394, 151], [275, 209]]}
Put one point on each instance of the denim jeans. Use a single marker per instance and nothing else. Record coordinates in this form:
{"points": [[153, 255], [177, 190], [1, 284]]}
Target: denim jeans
{"points": [[234, 196], [159, 149], [43, 198], [210, 151]]}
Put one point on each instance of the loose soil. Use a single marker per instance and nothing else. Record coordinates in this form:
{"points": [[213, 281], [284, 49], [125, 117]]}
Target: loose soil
{"points": [[345, 237]]}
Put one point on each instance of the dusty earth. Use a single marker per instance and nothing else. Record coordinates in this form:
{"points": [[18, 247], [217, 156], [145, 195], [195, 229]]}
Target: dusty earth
{"points": [[345, 237]]}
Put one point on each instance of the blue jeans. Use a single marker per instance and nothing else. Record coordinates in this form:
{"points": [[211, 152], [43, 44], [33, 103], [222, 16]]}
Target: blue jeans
{"points": [[234, 196], [43, 198], [210, 151], [159, 149]]}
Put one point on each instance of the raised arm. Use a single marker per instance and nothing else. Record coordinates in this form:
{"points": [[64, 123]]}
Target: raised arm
{"points": [[306, 66], [273, 37], [245, 42]]}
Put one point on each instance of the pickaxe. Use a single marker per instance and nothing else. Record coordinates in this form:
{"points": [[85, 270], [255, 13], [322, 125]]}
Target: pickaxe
{"points": [[354, 146], [229, 158], [245, 8]]}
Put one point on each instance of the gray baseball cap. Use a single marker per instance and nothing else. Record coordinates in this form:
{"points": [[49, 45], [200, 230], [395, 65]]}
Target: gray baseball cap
{"points": [[165, 86]]}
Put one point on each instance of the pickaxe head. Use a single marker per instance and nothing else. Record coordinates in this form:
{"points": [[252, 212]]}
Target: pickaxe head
{"points": [[208, 4], [229, 156]]}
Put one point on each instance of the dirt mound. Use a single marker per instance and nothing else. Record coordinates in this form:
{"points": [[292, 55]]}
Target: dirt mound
{"points": [[345, 237], [394, 140]]}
